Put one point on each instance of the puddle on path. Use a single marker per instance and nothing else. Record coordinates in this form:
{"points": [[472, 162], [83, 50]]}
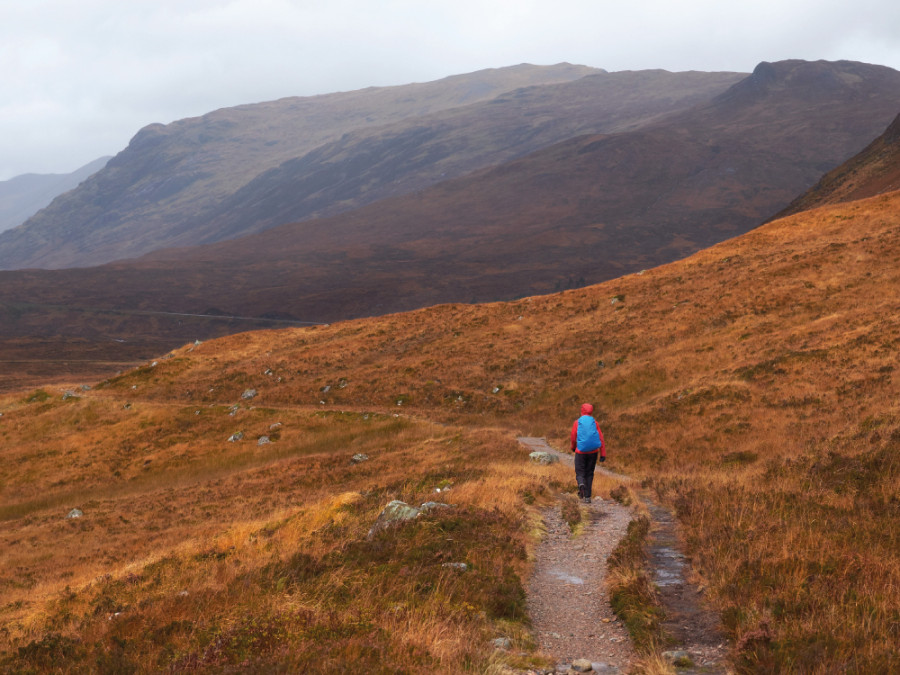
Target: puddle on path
{"points": [[565, 576], [671, 568]]}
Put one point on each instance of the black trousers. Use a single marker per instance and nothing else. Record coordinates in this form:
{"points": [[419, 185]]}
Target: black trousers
{"points": [[584, 472]]}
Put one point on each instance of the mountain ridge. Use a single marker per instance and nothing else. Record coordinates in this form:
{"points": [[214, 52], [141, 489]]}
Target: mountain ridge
{"points": [[533, 196], [550, 220], [603, 103], [190, 164]]}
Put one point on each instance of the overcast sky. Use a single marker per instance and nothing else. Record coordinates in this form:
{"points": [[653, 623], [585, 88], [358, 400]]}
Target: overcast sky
{"points": [[78, 78]]}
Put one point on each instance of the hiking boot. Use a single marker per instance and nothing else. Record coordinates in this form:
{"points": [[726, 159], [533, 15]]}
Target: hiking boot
{"points": [[585, 500]]}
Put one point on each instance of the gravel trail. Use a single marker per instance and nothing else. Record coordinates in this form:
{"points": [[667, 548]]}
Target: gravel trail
{"points": [[567, 597]]}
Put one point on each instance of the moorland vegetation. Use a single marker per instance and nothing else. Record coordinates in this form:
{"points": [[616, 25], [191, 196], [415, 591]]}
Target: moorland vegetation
{"points": [[751, 387]]}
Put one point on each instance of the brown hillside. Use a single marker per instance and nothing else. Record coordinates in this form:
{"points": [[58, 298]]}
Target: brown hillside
{"points": [[589, 209], [873, 171], [752, 386]]}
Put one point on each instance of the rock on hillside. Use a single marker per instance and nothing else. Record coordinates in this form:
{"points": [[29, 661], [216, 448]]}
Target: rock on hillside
{"points": [[171, 174], [873, 171]]}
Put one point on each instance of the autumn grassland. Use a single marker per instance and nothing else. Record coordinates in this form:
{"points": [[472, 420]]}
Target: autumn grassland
{"points": [[752, 387]]}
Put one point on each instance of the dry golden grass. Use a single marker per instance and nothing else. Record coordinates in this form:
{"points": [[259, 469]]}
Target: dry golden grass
{"points": [[198, 552], [752, 386]]}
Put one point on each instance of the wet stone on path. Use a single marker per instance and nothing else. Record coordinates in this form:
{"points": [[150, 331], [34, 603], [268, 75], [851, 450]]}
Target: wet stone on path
{"points": [[696, 632]]}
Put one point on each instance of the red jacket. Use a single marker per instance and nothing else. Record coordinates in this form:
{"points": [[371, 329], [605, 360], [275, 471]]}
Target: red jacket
{"points": [[587, 409]]}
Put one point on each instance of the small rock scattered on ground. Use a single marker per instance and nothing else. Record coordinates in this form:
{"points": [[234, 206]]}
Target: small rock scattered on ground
{"points": [[395, 512], [502, 643]]}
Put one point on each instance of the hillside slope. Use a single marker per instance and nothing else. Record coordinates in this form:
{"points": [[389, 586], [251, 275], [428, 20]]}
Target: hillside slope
{"points": [[171, 173], [23, 196], [578, 212], [873, 171], [404, 158], [752, 386]]}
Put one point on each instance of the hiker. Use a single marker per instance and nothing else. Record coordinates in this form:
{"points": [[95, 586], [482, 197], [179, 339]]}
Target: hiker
{"points": [[588, 446]]}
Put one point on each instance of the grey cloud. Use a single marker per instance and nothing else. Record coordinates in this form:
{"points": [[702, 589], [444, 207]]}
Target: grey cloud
{"points": [[77, 80]]}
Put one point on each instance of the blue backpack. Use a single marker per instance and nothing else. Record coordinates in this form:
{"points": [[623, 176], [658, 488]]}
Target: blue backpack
{"points": [[588, 438]]}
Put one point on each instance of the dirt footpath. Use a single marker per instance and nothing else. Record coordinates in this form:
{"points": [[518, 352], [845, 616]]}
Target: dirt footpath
{"points": [[567, 597]]}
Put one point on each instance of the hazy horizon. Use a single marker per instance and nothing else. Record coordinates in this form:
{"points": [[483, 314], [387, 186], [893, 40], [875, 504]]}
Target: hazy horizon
{"points": [[79, 81]]}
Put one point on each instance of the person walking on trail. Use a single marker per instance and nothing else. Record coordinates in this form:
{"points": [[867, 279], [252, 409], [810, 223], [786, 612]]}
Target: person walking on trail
{"points": [[588, 446]]}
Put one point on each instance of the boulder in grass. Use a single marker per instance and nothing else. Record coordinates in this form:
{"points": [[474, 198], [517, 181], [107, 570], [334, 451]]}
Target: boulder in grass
{"points": [[75, 513], [248, 394], [502, 643], [359, 457], [394, 513], [541, 457]]}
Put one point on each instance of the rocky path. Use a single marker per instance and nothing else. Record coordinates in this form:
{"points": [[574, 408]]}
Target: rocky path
{"points": [[567, 596]]}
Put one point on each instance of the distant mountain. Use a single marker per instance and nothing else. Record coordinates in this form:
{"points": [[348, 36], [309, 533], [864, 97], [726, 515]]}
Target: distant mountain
{"points": [[873, 171], [591, 208], [23, 196], [363, 167], [588, 209], [169, 176]]}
